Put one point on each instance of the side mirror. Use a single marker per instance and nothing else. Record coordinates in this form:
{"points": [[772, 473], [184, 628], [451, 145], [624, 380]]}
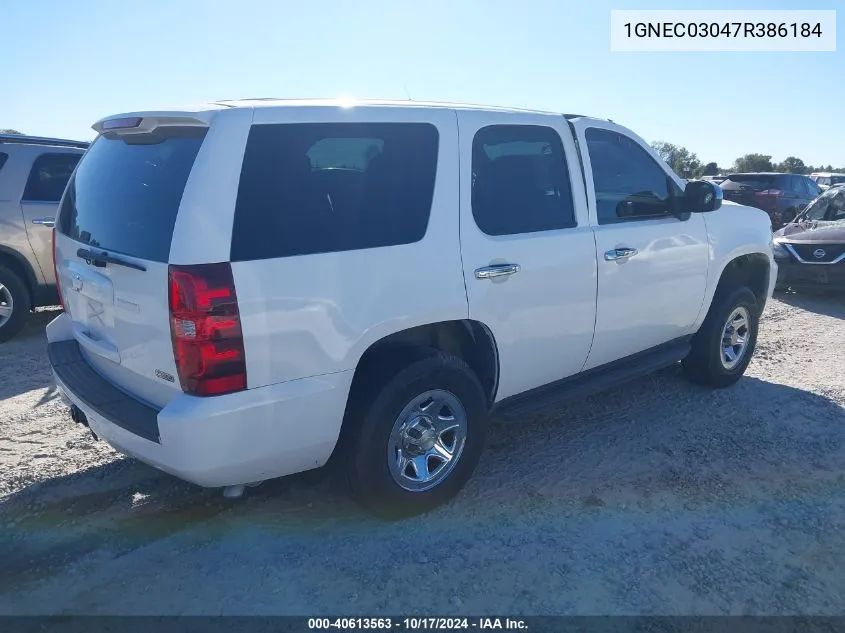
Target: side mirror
{"points": [[701, 196]]}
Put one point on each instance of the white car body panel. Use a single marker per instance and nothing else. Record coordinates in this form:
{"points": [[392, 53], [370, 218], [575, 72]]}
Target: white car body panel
{"points": [[655, 296], [317, 314], [541, 317]]}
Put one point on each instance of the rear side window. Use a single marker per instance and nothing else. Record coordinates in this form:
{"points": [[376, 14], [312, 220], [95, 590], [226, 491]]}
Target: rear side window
{"points": [[3, 159], [49, 176], [125, 195], [520, 180], [327, 187]]}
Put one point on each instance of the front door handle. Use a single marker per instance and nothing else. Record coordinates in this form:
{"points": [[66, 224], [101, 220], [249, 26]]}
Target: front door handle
{"points": [[50, 222], [496, 270], [617, 254]]}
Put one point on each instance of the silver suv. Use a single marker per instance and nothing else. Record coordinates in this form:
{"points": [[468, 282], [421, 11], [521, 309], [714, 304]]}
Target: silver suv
{"points": [[33, 175]]}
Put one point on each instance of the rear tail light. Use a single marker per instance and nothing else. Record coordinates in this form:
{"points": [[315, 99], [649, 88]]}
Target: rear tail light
{"points": [[205, 327], [56, 272], [768, 199]]}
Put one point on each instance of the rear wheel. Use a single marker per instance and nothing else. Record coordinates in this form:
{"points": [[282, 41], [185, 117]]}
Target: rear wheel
{"points": [[722, 348], [415, 438], [14, 304]]}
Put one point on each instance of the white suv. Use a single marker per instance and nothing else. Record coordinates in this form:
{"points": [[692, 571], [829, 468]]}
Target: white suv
{"points": [[253, 287]]}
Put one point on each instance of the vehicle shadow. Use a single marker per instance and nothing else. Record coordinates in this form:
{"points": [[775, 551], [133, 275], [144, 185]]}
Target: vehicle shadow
{"points": [[656, 444], [820, 302], [25, 366]]}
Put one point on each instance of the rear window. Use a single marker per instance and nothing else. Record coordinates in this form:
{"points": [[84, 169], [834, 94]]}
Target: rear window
{"points": [[758, 182], [124, 197], [328, 187]]}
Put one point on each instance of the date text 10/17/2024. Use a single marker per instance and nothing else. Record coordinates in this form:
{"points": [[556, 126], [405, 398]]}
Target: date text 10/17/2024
{"points": [[417, 624]]}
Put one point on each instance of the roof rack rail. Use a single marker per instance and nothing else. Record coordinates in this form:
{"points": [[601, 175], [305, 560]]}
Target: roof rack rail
{"points": [[23, 139]]}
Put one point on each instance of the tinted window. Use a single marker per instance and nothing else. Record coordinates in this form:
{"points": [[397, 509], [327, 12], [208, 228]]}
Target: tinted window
{"points": [[3, 159], [629, 184], [325, 187], [756, 182], [520, 180], [48, 177], [813, 187], [125, 196]]}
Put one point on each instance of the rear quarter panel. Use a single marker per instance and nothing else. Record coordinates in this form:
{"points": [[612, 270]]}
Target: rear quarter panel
{"points": [[317, 314], [732, 231]]}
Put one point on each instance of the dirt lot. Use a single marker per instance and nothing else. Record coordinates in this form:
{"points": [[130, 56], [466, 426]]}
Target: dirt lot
{"points": [[655, 498]]}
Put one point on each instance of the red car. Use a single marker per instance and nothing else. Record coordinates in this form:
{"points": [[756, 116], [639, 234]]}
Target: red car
{"points": [[782, 196]]}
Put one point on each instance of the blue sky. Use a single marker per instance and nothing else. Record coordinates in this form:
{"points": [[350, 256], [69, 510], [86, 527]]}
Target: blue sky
{"points": [[69, 63]]}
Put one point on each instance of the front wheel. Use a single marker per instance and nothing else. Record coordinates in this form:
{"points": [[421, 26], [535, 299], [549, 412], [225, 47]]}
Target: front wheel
{"points": [[722, 348], [417, 437]]}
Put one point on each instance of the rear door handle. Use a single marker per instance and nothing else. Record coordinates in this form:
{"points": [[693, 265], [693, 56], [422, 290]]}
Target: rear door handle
{"points": [[50, 222], [496, 270], [617, 254]]}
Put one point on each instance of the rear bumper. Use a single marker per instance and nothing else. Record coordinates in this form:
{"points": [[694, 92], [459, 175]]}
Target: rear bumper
{"points": [[218, 441], [797, 275]]}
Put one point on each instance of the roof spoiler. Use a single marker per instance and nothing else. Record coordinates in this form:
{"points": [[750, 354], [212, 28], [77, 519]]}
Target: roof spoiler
{"points": [[134, 124], [22, 139]]}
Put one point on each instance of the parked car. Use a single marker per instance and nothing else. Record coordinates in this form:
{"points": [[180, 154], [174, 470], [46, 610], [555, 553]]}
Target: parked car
{"points": [[782, 196], [254, 287], [811, 250], [33, 175], [715, 179], [826, 179]]}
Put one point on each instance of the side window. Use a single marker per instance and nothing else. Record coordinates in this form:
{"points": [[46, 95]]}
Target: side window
{"points": [[3, 158], [48, 177], [798, 185], [326, 187], [629, 183], [520, 180], [812, 187]]}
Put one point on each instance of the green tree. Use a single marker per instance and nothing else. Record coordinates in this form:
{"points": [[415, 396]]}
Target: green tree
{"points": [[710, 169], [682, 161], [10, 131], [753, 162], [791, 165]]}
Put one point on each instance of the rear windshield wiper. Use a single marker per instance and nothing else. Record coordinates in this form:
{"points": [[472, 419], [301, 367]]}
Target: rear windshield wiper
{"points": [[101, 259]]}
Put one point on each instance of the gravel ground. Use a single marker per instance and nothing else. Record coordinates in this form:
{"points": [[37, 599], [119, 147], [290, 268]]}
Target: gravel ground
{"points": [[658, 497]]}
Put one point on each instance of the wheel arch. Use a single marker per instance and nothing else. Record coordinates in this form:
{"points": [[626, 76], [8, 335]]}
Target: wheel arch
{"points": [[751, 268], [18, 264], [470, 340]]}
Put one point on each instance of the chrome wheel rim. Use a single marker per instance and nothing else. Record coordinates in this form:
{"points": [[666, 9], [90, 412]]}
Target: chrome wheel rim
{"points": [[7, 305], [427, 440], [735, 337]]}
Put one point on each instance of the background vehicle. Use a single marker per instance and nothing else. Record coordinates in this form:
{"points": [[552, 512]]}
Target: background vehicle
{"points": [[782, 196], [826, 179], [287, 282], [811, 251], [715, 179], [33, 175]]}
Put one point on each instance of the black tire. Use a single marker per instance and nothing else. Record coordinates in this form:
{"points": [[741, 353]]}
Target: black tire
{"points": [[20, 304], [704, 363], [370, 419]]}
